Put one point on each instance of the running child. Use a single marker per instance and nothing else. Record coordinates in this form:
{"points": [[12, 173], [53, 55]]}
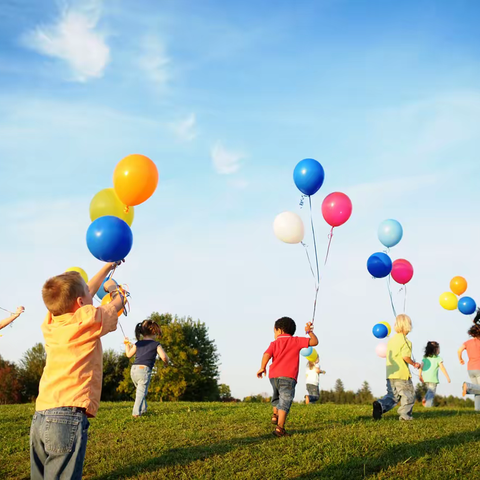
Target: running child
{"points": [[431, 363], [313, 373]]}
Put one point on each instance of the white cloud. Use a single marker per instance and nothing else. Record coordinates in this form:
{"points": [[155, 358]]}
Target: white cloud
{"points": [[185, 130], [225, 161], [75, 39], [154, 60]]}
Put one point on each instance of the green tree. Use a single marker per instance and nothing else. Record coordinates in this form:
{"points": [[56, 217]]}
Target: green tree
{"points": [[224, 392], [10, 386], [114, 365], [420, 391], [30, 371], [364, 394], [192, 374], [339, 392]]}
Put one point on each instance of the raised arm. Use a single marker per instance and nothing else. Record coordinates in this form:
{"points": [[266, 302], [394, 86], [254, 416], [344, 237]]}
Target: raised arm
{"points": [[313, 341], [7, 321], [444, 370], [96, 281], [130, 350]]}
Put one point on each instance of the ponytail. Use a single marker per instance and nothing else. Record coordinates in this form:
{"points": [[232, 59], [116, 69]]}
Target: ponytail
{"points": [[147, 327], [138, 331]]}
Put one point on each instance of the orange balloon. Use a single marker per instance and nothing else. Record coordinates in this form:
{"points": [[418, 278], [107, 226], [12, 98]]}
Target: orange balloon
{"points": [[135, 179], [458, 285], [107, 299]]}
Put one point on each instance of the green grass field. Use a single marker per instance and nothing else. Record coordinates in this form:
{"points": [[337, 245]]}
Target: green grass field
{"points": [[214, 440]]}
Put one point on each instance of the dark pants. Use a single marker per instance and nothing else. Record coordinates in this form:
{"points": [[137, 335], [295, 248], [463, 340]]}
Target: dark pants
{"points": [[313, 393]]}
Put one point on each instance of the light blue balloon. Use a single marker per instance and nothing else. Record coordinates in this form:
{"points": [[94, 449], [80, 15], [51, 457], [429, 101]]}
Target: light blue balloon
{"points": [[390, 232], [306, 352]]}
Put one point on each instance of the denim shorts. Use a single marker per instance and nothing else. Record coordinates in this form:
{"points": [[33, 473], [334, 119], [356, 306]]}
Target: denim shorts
{"points": [[313, 392], [283, 392]]}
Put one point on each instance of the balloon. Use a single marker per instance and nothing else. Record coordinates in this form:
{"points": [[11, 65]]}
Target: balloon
{"points": [[379, 265], [106, 202], [381, 350], [101, 291], [107, 299], [313, 356], [458, 285], [380, 330], [336, 209], [135, 179], [306, 352], [402, 271], [388, 327], [308, 176], [467, 305], [109, 239], [390, 232], [288, 227], [448, 301], [79, 270]]}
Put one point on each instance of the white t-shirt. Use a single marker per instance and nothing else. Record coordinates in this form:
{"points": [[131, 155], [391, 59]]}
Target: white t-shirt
{"points": [[313, 375]]}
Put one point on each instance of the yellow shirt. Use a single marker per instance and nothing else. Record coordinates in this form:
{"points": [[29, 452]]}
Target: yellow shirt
{"points": [[73, 373], [397, 348]]}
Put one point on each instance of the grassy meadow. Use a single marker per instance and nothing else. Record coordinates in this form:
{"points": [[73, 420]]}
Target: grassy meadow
{"points": [[223, 440]]}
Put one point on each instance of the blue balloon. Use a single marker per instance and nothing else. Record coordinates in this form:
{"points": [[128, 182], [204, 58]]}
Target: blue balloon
{"points": [[306, 352], [390, 232], [380, 330], [379, 265], [101, 291], [467, 305], [109, 239], [308, 176]]}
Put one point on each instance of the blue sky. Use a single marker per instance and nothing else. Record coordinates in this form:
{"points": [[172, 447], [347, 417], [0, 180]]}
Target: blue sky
{"points": [[226, 98]]}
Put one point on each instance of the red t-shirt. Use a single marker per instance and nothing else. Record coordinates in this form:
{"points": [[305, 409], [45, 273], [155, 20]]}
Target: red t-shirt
{"points": [[473, 350], [284, 351]]}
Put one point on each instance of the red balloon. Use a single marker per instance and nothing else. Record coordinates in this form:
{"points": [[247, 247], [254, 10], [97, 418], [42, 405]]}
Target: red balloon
{"points": [[402, 271], [336, 209]]}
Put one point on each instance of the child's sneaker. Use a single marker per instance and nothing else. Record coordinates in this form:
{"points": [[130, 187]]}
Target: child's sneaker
{"points": [[377, 410]]}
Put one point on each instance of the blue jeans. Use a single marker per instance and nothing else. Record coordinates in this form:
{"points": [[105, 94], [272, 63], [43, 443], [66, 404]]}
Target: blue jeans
{"points": [[58, 442], [399, 391], [430, 395], [313, 392], [283, 392], [474, 387], [141, 375]]}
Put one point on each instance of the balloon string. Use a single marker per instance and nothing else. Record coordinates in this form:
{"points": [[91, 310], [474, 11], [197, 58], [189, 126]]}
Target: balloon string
{"points": [[315, 304], [305, 246], [314, 239], [8, 311], [121, 328], [391, 298], [405, 300], [330, 236]]}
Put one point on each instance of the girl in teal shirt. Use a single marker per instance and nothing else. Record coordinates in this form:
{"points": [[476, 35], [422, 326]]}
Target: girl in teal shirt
{"points": [[429, 371]]}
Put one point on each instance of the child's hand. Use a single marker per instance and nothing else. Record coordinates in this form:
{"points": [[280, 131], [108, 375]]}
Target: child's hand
{"points": [[462, 362], [261, 372], [126, 341], [116, 264], [309, 327], [110, 286], [323, 371], [421, 379], [416, 365], [20, 310], [449, 381]]}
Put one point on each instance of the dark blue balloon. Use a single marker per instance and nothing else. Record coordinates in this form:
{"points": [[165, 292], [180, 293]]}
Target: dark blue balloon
{"points": [[109, 239], [467, 305], [101, 291], [380, 330], [379, 265], [308, 176]]}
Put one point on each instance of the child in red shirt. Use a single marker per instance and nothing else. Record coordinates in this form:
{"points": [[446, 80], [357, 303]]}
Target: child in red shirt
{"points": [[283, 372]]}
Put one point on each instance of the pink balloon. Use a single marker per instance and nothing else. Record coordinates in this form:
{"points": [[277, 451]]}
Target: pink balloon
{"points": [[381, 350], [336, 209], [402, 271]]}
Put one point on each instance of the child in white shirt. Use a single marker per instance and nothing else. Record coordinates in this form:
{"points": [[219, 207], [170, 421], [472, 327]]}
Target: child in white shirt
{"points": [[313, 373]]}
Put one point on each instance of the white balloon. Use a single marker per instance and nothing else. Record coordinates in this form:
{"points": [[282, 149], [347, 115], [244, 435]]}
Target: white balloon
{"points": [[288, 227], [381, 350]]}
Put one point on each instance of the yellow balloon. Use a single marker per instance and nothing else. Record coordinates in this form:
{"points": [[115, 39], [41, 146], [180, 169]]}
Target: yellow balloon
{"points": [[388, 326], [107, 299], [313, 356], [106, 202], [79, 270], [448, 301]]}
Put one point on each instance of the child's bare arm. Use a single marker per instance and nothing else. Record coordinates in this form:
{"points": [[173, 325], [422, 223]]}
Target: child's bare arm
{"points": [[7, 321], [313, 342], [118, 300], [420, 373], [162, 355], [265, 359], [96, 281], [444, 370], [460, 352], [130, 350], [411, 362]]}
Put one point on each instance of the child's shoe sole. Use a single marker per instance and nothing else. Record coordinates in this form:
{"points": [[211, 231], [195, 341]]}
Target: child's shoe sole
{"points": [[377, 410]]}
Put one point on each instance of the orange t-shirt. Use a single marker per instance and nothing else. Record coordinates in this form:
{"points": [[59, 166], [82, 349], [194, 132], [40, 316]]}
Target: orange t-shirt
{"points": [[73, 373], [473, 351]]}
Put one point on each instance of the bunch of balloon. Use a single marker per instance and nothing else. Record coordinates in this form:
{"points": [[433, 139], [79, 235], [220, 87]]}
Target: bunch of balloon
{"points": [[449, 300], [381, 330], [309, 353]]}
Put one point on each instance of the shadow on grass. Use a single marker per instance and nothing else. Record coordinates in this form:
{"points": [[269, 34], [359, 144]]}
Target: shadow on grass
{"points": [[361, 466]]}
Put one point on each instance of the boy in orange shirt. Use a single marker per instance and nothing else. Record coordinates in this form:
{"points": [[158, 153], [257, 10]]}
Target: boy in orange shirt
{"points": [[71, 382]]}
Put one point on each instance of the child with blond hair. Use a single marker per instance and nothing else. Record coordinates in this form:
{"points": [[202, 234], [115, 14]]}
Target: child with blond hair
{"points": [[71, 382], [399, 380], [313, 373]]}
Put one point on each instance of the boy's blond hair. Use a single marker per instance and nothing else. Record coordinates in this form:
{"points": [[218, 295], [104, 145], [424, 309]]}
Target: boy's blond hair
{"points": [[403, 324], [61, 292]]}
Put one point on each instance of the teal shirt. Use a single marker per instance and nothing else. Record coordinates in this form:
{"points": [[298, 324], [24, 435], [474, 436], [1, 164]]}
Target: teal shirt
{"points": [[430, 369]]}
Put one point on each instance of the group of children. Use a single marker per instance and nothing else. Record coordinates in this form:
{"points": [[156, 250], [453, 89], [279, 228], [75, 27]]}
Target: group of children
{"points": [[70, 387]]}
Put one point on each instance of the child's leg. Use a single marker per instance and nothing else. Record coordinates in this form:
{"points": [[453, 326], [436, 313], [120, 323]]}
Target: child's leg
{"points": [[430, 395], [139, 378], [59, 442], [406, 392], [144, 406], [390, 399], [275, 398], [474, 387], [286, 388]]}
